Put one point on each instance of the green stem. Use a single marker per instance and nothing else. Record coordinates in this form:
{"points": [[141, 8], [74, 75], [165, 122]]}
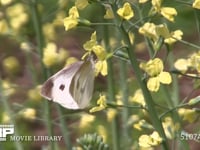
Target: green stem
{"points": [[102, 24], [111, 92], [124, 88], [172, 109], [40, 44], [113, 105], [64, 128], [189, 44], [175, 92], [9, 112]]}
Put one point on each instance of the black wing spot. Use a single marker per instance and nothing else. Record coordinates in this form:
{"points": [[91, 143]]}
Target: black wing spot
{"points": [[62, 87]]}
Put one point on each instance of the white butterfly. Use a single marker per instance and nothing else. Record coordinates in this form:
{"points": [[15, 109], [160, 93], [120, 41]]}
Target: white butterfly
{"points": [[71, 87]]}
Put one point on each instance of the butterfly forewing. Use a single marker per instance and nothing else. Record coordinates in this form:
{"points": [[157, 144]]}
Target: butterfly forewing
{"points": [[56, 88]]}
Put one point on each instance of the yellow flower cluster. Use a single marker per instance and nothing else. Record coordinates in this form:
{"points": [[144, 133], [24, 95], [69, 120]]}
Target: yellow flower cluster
{"points": [[86, 120], [101, 102], [91, 46], [166, 12], [52, 56], [11, 65], [28, 114], [17, 16], [5, 2], [150, 140], [189, 115], [153, 32], [8, 88], [5, 118], [72, 20], [34, 94], [193, 63], [154, 68]]}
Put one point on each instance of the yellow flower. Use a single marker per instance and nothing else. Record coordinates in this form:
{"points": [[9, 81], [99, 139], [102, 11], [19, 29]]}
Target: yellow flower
{"points": [[5, 2], [156, 4], [170, 38], [101, 102], [3, 26], [126, 11], [143, 1], [34, 94], [62, 55], [109, 13], [26, 47], [189, 115], [81, 4], [51, 57], [181, 65], [156, 138], [92, 46], [101, 67], [142, 124], [5, 118], [167, 12], [29, 114], [99, 52], [11, 65], [88, 46], [133, 119], [72, 20], [102, 131], [86, 120], [138, 97], [196, 4], [176, 35], [149, 30], [111, 113], [194, 61], [154, 68], [49, 31], [170, 127], [92, 42], [17, 15], [150, 140], [71, 60], [8, 88]]}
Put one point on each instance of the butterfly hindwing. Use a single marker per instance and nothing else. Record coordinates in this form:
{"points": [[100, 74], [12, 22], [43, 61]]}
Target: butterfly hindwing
{"points": [[82, 84]]}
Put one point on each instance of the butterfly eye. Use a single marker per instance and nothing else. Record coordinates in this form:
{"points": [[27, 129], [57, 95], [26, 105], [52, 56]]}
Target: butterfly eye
{"points": [[62, 87]]}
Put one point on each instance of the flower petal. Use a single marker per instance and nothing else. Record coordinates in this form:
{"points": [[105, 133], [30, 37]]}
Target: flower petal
{"points": [[153, 84], [165, 77]]}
